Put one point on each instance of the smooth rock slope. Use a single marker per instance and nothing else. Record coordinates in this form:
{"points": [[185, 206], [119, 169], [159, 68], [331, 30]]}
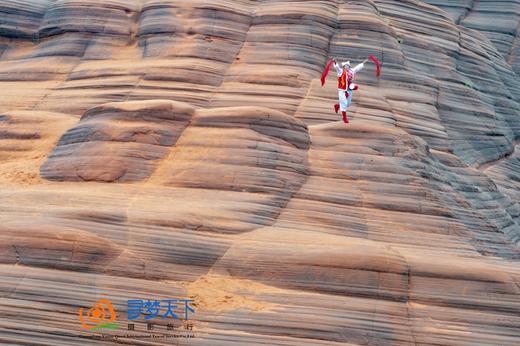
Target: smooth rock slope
{"points": [[172, 149]]}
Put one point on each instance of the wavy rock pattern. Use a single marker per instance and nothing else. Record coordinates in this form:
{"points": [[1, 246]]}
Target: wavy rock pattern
{"points": [[498, 21], [163, 149], [118, 142]]}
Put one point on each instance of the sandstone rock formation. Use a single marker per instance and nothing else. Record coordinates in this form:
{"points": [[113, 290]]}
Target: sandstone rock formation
{"points": [[118, 142], [163, 149]]}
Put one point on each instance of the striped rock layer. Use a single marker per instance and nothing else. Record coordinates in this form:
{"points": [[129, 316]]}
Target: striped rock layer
{"points": [[164, 149]]}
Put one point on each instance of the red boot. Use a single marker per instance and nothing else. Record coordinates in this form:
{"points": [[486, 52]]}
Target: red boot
{"points": [[345, 118], [336, 107]]}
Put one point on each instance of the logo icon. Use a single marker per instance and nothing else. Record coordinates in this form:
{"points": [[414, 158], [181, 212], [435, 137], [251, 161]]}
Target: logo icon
{"points": [[101, 315]]}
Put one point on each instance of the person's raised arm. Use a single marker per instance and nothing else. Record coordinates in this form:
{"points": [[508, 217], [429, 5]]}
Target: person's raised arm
{"points": [[338, 68], [359, 67]]}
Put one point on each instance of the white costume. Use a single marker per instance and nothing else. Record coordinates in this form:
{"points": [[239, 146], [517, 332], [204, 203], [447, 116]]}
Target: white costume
{"points": [[345, 76]]}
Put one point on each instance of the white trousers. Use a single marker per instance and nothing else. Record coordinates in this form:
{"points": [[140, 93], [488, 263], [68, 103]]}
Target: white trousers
{"points": [[344, 101]]}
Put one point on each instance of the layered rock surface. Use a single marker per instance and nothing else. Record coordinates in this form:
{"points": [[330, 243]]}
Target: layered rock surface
{"points": [[163, 149], [118, 142]]}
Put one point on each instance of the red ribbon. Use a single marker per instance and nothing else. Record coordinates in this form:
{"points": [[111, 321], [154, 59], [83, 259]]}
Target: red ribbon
{"points": [[378, 65], [326, 72]]}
